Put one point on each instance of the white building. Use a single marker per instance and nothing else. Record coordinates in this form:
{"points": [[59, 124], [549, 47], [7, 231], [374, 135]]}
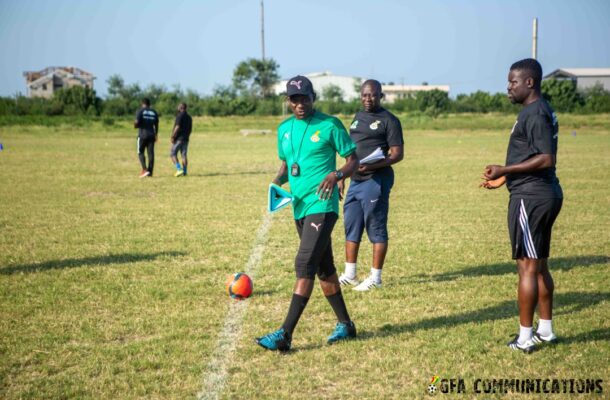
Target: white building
{"points": [[321, 80], [350, 86], [584, 77], [393, 92]]}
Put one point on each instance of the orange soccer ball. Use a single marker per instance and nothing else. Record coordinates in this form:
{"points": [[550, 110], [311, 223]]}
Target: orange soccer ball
{"points": [[239, 286]]}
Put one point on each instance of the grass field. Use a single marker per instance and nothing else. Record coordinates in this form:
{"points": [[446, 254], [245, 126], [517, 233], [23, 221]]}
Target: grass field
{"points": [[113, 287]]}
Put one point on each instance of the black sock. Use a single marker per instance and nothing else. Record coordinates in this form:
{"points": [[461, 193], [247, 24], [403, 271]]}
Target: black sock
{"points": [[338, 304], [297, 305]]}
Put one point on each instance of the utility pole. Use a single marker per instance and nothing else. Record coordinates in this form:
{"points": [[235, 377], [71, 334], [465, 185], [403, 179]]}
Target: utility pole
{"points": [[263, 28], [535, 39]]}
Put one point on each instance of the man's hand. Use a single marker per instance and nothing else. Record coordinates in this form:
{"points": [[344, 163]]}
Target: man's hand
{"points": [[173, 140], [363, 168], [341, 186], [325, 190], [493, 172], [494, 183]]}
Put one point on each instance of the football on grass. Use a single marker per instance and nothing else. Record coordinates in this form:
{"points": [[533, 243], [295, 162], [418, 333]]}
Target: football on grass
{"points": [[239, 286]]}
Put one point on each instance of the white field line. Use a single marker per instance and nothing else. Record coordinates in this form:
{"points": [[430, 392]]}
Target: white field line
{"points": [[216, 373]]}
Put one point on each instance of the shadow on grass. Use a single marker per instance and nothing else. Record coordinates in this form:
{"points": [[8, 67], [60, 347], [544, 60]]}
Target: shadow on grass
{"points": [[212, 174], [555, 264], [87, 261], [565, 303], [598, 335]]}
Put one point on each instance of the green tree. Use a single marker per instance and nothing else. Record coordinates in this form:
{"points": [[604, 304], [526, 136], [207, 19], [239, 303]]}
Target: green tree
{"points": [[562, 94], [125, 98], [357, 84], [332, 93], [254, 77], [432, 102], [78, 100], [597, 99]]}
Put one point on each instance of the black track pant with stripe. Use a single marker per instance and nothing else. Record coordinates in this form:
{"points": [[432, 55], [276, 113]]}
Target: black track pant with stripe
{"points": [[147, 143]]}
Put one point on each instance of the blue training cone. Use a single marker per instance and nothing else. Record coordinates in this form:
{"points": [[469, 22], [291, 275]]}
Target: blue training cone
{"points": [[278, 198]]}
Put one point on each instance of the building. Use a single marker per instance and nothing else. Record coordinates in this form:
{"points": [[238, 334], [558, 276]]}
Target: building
{"points": [[350, 86], [321, 80], [583, 77], [44, 83], [394, 92]]}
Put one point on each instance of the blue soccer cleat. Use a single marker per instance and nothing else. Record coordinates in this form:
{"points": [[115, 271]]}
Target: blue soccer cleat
{"points": [[279, 340], [343, 331]]}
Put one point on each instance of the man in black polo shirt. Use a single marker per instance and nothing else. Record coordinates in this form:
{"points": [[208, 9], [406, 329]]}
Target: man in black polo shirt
{"points": [[147, 123], [180, 139], [535, 200], [367, 201]]}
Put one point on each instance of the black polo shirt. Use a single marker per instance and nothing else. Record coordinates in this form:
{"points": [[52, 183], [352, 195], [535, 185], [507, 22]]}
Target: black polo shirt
{"points": [[185, 124], [536, 131], [370, 130]]}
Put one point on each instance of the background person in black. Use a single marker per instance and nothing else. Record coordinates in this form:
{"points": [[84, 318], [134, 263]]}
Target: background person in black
{"points": [[147, 121], [367, 201], [535, 200], [180, 139]]}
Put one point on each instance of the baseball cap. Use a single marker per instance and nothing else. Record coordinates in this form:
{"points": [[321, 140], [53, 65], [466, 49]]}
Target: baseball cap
{"points": [[299, 85]]}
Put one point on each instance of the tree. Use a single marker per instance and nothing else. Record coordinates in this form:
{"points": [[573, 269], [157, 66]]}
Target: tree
{"points": [[116, 85], [332, 93], [78, 99], [357, 85], [432, 102], [254, 77], [562, 94], [597, 99]]}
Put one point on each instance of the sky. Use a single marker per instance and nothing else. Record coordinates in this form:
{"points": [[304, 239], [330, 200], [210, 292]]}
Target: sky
{"points": [[196, 44]]}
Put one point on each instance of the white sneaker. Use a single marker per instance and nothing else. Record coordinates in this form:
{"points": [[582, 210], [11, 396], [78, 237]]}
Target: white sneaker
{"points": [[538, 338], [344, 280], [368, 284]]}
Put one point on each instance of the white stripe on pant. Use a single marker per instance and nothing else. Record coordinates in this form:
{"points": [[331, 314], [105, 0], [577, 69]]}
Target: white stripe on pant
{"points": [[527, 235]]}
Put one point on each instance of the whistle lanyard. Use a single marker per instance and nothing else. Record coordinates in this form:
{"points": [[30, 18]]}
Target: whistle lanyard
{"points": [[296, 159]]}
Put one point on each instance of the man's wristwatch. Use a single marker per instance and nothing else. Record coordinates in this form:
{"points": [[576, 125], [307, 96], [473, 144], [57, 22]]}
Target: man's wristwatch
{"points": [[339, 174]]}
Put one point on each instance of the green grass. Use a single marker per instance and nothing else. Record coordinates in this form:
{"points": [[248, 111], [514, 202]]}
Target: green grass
{"points": [[113, 287]]}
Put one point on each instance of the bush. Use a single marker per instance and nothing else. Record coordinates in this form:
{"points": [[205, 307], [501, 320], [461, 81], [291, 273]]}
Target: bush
{"points": [[597, 100], [562, 95], [433, 102], [78, 100]]}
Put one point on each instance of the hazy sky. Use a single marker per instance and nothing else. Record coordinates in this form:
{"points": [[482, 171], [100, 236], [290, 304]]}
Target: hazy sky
{"points": [[467, 44]]}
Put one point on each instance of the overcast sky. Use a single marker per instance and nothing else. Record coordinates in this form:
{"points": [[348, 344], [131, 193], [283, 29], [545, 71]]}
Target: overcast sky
{"points": [[467, 44]]}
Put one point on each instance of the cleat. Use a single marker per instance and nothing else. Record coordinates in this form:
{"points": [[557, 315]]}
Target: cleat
{"points": [[344, 280], [539, 339], [279, 340], [368, 284], [343, 331], [144, 173], [528, 347], [179, 172]]}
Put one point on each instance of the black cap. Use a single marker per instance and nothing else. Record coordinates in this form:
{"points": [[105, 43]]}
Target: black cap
{"points": [[299, 85]]}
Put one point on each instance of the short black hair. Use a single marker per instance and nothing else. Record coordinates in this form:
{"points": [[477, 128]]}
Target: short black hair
{"points": [[532, 68], [146, 101], [372, 83]]}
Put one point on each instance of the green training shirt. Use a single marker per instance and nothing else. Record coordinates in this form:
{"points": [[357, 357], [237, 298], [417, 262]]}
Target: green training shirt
{"points": [[312, 143]]}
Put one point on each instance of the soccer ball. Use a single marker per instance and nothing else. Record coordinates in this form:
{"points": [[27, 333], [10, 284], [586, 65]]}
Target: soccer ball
{"points": [[239, 286], [431, 389]]}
